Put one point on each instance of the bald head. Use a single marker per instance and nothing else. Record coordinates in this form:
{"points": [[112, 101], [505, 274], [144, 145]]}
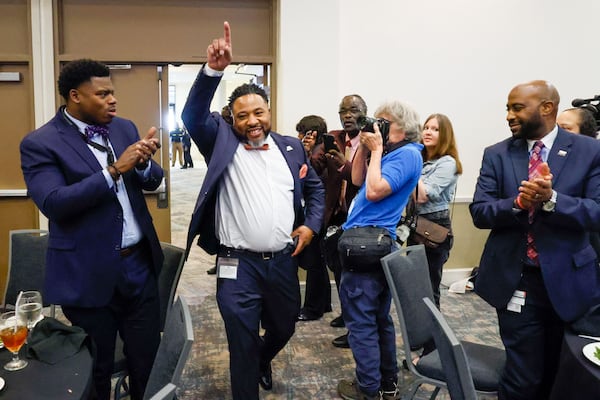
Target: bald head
{"points": [[532, 108], [544, 90]]}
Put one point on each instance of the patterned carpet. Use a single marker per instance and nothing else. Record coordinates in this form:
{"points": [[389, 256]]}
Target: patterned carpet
{"points": [[309, 367]]}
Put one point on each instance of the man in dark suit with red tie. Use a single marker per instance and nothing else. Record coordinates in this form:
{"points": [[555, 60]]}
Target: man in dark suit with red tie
{"points": [[250, 212], [86, 170], [539, 193]]}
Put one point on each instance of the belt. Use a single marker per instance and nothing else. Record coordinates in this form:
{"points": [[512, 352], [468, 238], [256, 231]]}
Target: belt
{"points": [[127, 251], [265, 255]]}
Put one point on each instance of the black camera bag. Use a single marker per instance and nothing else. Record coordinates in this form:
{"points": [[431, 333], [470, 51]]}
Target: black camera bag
{"points": [[361, 248]]}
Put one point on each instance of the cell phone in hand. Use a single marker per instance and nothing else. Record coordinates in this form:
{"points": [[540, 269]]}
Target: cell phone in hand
{"points": [[329, 143], [295, 241]]}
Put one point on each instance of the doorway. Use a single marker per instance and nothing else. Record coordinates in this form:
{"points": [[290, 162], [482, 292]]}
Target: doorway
{"points": [[186, 182]]}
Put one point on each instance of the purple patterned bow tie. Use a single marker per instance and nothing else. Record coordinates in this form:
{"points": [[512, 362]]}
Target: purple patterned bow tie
{"points": [[93, 130]]}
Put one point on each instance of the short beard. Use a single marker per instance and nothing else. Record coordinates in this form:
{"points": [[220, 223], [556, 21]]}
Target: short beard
{"points": [[530, 129]]}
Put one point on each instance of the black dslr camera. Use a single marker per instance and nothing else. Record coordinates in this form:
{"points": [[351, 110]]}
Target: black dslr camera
{"points": [[592, 105], [365, 124]]}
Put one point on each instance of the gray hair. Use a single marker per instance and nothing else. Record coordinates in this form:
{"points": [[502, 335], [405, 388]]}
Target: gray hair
{"points": [[403, 115]]}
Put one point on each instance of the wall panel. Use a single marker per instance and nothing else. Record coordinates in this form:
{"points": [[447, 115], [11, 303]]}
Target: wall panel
{"points": [[14, 30], [162, 31]]}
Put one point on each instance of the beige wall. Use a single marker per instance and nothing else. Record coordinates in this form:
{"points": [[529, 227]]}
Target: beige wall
{"points": [[468, 240]]}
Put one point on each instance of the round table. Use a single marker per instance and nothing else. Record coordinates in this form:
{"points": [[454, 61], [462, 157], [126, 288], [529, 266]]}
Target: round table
{"points": [[70, 378], [577, 377]]}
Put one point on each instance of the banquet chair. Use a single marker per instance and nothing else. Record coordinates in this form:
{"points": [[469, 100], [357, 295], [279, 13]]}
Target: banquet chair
{"points": [[174, 349], [452, 356], [168, 279], [26, 265], [407, 275], [166, 393]]}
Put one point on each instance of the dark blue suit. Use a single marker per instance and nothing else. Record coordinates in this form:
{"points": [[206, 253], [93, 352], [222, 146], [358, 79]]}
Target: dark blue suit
{"points": [[85, 272], [567, 283], [266, 291]]}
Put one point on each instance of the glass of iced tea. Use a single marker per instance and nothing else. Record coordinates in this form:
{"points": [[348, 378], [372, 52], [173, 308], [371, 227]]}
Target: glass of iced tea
{"points": [[13, 331]]}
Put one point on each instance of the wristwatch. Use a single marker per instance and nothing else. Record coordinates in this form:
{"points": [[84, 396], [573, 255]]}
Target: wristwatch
{"points": [[549, 205]]}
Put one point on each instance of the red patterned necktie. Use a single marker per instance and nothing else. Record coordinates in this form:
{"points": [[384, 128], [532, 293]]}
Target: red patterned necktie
{"points": [[535, 159]]}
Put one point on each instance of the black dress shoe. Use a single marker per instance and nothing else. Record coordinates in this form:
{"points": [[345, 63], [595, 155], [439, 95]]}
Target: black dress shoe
{"points": [[307, 316], [266, 378], [341, 342], [212, 271], [337, 322]]}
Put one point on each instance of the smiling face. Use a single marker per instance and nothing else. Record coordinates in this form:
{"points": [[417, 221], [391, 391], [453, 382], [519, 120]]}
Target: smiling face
{"points": [[251, 117], [431, 133], [531, 109], [94, 101], [524, 113]]}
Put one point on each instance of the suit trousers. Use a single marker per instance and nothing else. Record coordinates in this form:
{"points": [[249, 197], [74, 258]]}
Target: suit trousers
{"points": [[317, 298], [533, 339], [137, 319], [264, 292]]}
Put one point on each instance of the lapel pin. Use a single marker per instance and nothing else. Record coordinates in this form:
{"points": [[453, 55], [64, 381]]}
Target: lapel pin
{"points": [[289, 148], [562, 153]]}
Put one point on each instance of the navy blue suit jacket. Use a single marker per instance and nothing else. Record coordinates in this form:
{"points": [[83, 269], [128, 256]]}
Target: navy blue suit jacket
{"points": [[65, 181], [218, 143], [568, 261]]}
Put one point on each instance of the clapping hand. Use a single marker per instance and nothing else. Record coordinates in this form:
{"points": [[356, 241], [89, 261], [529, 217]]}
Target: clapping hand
{"points": [[538, 189]]}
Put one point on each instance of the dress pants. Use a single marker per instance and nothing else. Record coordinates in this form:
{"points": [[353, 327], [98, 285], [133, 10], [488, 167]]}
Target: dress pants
{"points": [[532, 339], [366, 301], [187, 158], [133, 311], [317, 299], [265, 292]]}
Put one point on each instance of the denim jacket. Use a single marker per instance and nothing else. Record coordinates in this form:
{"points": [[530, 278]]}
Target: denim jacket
{"points": [[439, 177]]}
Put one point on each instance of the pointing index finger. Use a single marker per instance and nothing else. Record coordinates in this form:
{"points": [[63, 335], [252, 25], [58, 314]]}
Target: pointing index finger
{"points": [[227, 33]]}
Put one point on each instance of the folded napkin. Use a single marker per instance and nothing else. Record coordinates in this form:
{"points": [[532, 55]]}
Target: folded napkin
{"points": [[52, 341], [589, 324]]}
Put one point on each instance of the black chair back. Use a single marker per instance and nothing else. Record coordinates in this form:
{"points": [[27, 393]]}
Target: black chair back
{"points": [[459, 380], [26, 263]]}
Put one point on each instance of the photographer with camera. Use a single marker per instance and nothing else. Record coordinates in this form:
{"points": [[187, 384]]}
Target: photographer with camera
{"points": [[387, 172]]}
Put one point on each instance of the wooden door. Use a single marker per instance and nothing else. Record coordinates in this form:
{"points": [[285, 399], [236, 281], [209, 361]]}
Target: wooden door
{"points": [[142, 94]]}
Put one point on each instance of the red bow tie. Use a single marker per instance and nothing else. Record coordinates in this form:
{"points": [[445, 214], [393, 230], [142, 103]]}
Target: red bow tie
{"points": [[263, 147]]}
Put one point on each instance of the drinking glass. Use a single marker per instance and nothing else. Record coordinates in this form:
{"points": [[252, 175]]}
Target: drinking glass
{"points": [[29, 307], [13, 331]]}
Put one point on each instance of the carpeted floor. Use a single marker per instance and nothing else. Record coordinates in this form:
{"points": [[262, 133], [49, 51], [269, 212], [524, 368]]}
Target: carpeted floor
{"points": [[309, 367]]}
